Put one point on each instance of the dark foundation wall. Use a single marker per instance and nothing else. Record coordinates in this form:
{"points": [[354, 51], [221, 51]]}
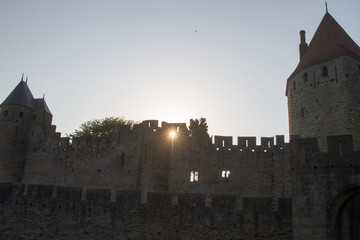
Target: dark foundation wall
{"points": [[50, 212]]}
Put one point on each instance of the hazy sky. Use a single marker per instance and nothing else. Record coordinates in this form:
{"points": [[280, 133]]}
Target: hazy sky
{"points": [[226, 60]]}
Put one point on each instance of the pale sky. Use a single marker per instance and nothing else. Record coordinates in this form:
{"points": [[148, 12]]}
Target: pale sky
{"points": [[171, 60]]}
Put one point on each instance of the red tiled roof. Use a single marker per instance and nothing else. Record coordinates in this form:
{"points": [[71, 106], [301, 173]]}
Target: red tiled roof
{"points": [[330, 40]]}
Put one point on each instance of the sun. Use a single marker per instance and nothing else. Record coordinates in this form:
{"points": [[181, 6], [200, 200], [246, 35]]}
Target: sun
{"points": [[172, 134]]}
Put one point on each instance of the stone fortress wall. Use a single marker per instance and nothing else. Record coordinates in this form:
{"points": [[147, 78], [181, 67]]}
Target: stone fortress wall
{"points": [[50, 211], [147, 159], [325, 189], [139, 183], [136, 184], [56, 212]]}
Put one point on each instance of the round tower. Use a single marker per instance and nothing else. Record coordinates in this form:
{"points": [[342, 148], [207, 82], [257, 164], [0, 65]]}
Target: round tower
{"points": [[23, 120], [15, 121], [324, 90]]}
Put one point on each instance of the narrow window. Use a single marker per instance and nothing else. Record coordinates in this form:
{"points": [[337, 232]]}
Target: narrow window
{"points": [[302, 112], [223, 143], [325, 72], [305, 77], [21, 114], [294, 85], [225, 175], [247, 143], [269, 144], [6, 113], [194, 176], [177, 129], [122, 159]]}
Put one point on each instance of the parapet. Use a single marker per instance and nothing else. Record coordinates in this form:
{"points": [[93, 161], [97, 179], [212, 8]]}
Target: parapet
{"points": [[339, 159], [150, 128], [337, 145], [267, 143], [180, 128]]}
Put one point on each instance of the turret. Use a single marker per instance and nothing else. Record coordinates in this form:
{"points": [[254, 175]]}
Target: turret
{"points": [[324, 90], [22, 118]]}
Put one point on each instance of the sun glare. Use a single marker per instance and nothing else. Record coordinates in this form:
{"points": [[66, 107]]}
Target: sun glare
{"points": [[172, 134]]}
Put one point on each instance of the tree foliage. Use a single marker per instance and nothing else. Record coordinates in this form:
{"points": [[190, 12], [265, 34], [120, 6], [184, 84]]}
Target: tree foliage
{"points": [[100, 127], [198, 127]]}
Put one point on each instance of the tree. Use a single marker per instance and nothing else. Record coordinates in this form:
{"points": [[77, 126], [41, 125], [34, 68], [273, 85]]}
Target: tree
{"points": [[198, 127], [100, 127]]}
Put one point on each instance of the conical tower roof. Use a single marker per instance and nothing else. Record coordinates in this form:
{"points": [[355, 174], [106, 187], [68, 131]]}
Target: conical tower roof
{"points": [[21, 95], [330, 40], [41, 104]]}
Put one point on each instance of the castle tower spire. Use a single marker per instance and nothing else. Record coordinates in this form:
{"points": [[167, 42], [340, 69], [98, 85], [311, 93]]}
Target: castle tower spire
{"points": [[326, 7]]}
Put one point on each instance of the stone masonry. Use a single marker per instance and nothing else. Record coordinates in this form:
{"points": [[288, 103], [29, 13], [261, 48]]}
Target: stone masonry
{"points": [[140, 183]]}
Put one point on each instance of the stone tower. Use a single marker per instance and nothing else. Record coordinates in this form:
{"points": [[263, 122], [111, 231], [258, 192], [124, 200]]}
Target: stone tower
{"points": [[22, 118], [324, 114], [324, 90]]}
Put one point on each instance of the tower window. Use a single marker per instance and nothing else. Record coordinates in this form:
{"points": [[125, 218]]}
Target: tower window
{"points": [[21, 114], [194, 176], [225, 175], [325, 71], [294, 85], [305, 77], [6, 113]]}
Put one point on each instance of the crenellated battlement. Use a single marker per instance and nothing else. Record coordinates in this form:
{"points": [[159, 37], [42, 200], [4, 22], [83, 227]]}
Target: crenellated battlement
{"points": [[149, 129], [145, 158], [339, 158], [249, 143]]}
